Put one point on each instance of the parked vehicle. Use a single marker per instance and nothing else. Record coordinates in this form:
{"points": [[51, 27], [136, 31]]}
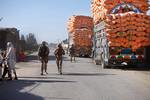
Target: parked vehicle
{"points": [[121, 32], [107, 55]]}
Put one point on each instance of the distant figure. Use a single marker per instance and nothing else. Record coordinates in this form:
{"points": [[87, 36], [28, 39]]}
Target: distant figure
{"points": [[11, 60], [93, 54], [72, 53], [1, 62], [102, 58], [59, 52], [43, 54]]}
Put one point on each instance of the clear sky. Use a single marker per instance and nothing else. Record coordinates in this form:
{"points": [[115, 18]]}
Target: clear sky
{"points": [[47, 19]]}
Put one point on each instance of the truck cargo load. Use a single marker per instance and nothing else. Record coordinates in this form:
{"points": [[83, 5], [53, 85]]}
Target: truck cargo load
{"points": [[80, 30], [125, 28]]}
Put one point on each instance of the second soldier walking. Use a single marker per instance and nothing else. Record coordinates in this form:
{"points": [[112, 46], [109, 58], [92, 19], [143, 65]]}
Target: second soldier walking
{"points": [[59, 52]]}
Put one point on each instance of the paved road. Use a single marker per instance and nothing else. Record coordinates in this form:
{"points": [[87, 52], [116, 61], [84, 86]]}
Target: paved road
{"points": [[81, 80]]}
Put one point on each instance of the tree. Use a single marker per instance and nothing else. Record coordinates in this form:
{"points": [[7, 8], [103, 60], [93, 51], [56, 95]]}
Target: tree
{"points": [[22, 43], [1, 18], [22, 37], [31, 42]]}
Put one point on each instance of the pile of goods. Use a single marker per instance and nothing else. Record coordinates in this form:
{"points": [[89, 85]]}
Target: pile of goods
{"points": [[80, 30], [80, 22], [128, 30], [127, 24], [82, 37], [100, 8]]}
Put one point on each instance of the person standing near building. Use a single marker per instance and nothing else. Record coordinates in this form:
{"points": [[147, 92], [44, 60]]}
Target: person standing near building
{"points": [[11, 60], [43, 54], [59, 52], [5, 65], [72, 53]]}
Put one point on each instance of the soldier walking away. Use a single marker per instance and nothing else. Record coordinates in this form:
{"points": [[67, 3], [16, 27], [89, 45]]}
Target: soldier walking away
{"points": [[43, 54], [72, 53], [11, 60], [59, 52]]}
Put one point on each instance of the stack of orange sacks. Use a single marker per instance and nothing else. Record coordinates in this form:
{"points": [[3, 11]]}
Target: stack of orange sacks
{"points": [[80, 29], [78, 22], [81, 37], [127, 29], [100, 8]]}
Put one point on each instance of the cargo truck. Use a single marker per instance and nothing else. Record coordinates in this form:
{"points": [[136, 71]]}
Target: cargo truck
{"points": [[121, 32], [80, 30], [113, 56], [81, 38]]}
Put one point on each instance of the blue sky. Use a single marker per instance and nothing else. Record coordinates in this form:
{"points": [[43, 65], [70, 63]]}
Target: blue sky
{"points": [[47, 19]]}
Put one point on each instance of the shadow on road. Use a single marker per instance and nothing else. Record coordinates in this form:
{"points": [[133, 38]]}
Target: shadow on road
{"points": [[12, 91], [132, 68], [87, 74], [57, 98], [136, 69], [46, 81], [16, 90], [40, 77]]}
